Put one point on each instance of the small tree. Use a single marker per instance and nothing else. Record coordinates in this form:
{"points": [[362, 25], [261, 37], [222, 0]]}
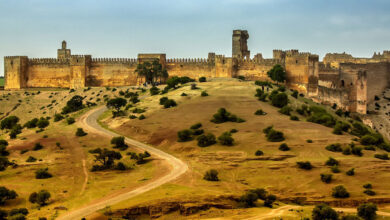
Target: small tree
{"points": [[40, 197], [367, 211], [321, 212], [9, 122], [43, 173], [43, 123], [211, 175], [284, 147], [248, 199], [206, 140], [269, 200], [105, 157], [226, 139], [277, 73], [74, 104], [119, 142], [340, 192], [117, 104], [80, 132], [259, 153], [306, 165], [184, 135], [326, 178], [6, 194], [279, 100], [331, 162]]}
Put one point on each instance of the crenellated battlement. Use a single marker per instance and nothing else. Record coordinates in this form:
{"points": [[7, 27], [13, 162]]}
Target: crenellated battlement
{"points": [[114, 60], [187, 60], [47, 61]]}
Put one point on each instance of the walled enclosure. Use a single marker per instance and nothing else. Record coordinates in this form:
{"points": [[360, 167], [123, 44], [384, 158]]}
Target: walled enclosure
{"points": [[350, 83]]}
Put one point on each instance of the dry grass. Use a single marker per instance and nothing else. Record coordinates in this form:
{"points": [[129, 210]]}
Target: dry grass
{"points": [[238, 169]]}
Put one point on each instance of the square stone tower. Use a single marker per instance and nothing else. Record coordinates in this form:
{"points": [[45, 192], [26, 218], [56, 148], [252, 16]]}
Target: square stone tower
{"points": [[63, 53], [240, 46]]}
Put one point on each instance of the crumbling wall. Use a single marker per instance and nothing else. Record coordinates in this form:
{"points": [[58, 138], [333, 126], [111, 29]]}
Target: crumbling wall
{"points": [[51, 73], [255, 70]]}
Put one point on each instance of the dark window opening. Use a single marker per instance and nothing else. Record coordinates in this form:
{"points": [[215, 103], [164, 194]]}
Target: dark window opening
{"points": [[342, 83]]}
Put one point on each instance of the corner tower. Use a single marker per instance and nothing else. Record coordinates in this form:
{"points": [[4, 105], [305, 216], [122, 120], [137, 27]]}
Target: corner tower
{"points": [[240, 46], [63, 53]]}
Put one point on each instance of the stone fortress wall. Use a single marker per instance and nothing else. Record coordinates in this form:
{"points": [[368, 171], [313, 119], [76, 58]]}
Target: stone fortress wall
{"points": [[341, 79]]}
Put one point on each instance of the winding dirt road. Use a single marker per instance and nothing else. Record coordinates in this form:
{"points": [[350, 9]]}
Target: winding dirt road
{"points": [[178, 167]]}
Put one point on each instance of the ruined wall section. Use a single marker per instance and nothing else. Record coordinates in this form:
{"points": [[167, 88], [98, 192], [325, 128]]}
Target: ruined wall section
{"points": [[299, 67], [112, 72], [16, 70]]}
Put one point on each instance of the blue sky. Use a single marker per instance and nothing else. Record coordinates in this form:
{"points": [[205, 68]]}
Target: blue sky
{"points": [[184, 28]]}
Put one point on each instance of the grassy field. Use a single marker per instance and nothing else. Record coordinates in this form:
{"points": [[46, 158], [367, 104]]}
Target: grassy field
{"points": [[239, 169], [1, 81]]}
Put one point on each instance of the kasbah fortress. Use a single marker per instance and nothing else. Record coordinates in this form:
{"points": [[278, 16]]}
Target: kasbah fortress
{"points": [[350, 83]]}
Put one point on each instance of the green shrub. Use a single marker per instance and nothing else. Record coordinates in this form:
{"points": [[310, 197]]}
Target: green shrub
{"points": [[40, 197], [322, 118], [226, 139], [163, 100], [37, 146], [351, 172], [259, 153], [233, 130], [141, 117], [309, 141], [324, 212], [367, 186], [31, 159], [196, 126], [73, 105], [273, 135], [224, 116], [340, 192], [31, 124], [284, 147], [358, 151], [383, 156], [371, 139], [347, 151], [263, 97], [211, 175], [170, 103], [279, 100], [260, 112], [184, 135], [326, 178], [58, 117], [334, 147], [197, 132], [154, 90], [367, 211], [269, 200], [132, 117], [372, 148], [331, 162], [204, 93], [295, 94], [335, 169], [205, 140], [183, 94], [294, 118], [202, 79], [285, 110], [248, 200], [369, 192], [9, 122], [358, 129], [80, 132], [43, 173], [119, 143], [306, 165], [70, 120]]}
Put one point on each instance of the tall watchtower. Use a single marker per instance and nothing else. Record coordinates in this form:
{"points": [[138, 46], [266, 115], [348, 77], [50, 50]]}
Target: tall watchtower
{"points": [[240, 46], [63, 53]]}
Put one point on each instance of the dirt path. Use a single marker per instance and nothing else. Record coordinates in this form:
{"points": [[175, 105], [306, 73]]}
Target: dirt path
{"points": [[86, 177], [178, 167]]}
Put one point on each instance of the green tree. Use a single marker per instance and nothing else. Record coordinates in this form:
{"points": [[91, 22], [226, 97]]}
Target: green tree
{"points": [[116, 103], [9, 122], [211, 175], [277, 73], [6, 194], [74, 104], [367, 211], [105, 157], [40, 197], [321, 212]]}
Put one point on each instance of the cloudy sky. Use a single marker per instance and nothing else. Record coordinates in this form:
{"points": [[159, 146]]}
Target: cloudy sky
{"points": [[184, 28]]}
